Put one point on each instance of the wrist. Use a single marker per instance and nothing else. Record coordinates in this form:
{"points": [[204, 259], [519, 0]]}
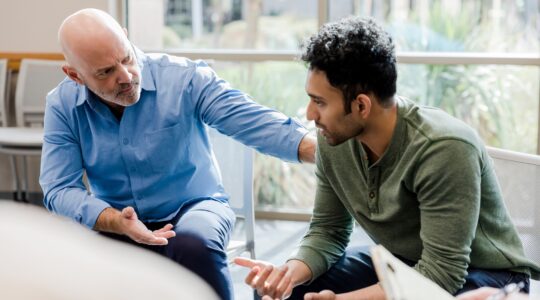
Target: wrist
{"points": [[109, 221], [306, 149], [300, 272]]}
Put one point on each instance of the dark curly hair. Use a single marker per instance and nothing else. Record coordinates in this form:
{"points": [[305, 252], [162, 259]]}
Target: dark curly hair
{"points": [[357, 56]]}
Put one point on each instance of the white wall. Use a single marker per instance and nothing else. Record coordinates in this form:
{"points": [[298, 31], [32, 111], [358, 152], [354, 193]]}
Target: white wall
{"points": [[147, 34], [31, 26]]}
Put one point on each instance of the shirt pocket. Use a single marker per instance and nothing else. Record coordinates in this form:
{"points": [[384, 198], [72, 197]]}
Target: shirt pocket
{"points": [[167, 148]]}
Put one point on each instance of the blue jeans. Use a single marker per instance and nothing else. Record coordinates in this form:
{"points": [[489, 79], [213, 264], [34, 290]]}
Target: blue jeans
{"points": [[202, 231], [354, 270]]}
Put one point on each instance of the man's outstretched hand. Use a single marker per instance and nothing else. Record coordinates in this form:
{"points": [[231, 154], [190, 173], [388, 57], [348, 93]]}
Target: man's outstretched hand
{"points": [[127, 223]]}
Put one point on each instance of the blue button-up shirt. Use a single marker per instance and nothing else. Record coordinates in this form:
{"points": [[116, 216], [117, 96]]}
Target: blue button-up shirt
{"points": [[157, 158]]}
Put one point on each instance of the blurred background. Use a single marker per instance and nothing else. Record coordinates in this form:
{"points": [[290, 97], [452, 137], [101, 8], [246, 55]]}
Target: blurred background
{"points": [[479, 60]]}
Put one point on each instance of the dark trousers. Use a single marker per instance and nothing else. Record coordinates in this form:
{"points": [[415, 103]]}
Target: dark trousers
{"points": [[202, 233], [355, 270]]}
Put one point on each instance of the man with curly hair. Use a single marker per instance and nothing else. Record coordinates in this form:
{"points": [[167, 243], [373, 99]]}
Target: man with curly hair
{"points": [[417, 180]]}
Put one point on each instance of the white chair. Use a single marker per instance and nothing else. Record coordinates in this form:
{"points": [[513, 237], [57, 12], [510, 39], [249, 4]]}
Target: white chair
{"points": [[36, 78], [3, 92], [519, 178], [236, 165]]}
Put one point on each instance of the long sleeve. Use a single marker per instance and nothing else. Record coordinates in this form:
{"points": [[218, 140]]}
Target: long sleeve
{"points": [[448, 192], [234, 114], [62, 170], [329, 231]]}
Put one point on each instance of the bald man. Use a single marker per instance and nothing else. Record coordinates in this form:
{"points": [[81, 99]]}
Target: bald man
{"points": [[136, 123]]}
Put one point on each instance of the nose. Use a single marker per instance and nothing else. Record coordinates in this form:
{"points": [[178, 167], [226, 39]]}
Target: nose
{"points": [[124, 75], [311, 112]]}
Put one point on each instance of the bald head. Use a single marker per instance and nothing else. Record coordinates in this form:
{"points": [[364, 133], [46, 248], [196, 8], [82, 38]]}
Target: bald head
{"points": [[87, 33], [100, 57]]}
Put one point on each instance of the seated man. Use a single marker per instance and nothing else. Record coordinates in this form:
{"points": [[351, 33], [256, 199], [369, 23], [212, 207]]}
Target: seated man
{"points": [[417, 180], [136, 124]]}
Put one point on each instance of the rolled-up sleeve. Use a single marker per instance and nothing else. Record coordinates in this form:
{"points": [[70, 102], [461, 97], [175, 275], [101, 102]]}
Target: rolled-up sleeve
{"points": [[62, 169], [235, 114]]}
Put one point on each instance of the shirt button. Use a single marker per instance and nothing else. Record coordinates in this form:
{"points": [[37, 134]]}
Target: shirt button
{"points": [[126, 141], [371, 195]]}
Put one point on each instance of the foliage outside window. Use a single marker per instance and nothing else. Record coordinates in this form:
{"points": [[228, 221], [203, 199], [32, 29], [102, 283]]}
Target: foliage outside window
{"points": [[500, 102]]}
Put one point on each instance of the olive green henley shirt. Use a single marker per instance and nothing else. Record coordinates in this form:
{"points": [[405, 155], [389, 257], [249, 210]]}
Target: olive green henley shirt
{"points": [[432, 197]]}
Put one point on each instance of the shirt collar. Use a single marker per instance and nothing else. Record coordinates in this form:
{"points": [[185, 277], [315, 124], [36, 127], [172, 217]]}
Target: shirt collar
{"points": [[147, 80]]}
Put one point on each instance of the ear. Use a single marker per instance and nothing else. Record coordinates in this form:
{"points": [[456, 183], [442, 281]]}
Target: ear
{"points": [[361, 105], [125, 31], [72, 74]]}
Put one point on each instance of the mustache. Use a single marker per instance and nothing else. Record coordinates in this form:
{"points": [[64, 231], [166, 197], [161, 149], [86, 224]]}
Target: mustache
{"points": [[123, 86], [319, 125]]}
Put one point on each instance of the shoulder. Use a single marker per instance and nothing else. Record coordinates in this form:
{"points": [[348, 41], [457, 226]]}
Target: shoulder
{"points": [[435, 125], [65, 95], [167, 63], [170, 69]]}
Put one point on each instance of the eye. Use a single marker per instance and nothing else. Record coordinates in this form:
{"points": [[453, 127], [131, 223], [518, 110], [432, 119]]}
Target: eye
{"points": [[127, 60], [105, 73], [317, 102]]}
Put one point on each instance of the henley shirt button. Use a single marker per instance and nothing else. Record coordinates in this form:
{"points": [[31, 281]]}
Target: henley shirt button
{"points": [[371, 195], [126, 141]]}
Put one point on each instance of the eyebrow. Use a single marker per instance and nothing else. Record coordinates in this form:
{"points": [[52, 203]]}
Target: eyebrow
{"points": [[129, 53], [100, 70], [316, 97]]}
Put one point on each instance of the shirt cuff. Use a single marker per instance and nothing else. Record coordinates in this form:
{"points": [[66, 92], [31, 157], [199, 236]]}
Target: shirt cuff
{"points": [[313, 259], [91, 210], [298, 133]]}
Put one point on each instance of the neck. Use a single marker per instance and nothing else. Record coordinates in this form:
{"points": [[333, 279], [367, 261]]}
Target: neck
{"points": [[117, 110], [379, 132]]}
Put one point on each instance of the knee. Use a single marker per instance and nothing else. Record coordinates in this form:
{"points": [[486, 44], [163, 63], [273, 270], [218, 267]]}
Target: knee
{"points": [[187, 246]]}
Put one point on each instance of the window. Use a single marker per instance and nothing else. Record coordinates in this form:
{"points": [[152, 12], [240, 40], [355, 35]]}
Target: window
{"points": [[228, 24], [478, 60]]}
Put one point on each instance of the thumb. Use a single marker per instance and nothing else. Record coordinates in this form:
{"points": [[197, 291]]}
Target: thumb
{"points": [[129, 213]]}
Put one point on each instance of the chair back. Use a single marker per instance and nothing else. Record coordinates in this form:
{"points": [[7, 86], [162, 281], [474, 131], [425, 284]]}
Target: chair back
{"points": [[3, 92], [519, 178], [236, 165], [36, 79]]}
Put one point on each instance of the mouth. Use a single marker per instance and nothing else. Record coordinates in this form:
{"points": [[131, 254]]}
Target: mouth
{"points": [[126, 90], [322, 131], [321, 128]]}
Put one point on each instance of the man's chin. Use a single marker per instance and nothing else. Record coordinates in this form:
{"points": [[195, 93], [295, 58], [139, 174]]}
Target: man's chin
{"points": [[129, 102], [334, 142]]}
